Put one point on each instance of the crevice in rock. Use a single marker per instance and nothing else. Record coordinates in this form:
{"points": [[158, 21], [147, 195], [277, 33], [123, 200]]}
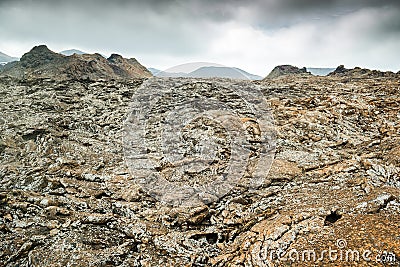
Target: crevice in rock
{"points": [[33, 134], [332, 218], [211, 238]]}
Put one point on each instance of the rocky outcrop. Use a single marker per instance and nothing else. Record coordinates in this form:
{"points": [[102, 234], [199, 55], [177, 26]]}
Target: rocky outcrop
{"points": [[358, 72], [67, 197], [127, 68], [41, 62], [283, 70]]}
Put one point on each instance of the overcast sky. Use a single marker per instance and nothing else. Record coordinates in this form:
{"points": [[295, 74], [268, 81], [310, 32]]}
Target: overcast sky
{"points": [[252, 35]]}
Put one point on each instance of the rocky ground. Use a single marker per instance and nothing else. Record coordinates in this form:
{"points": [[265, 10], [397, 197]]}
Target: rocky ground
{"points": [[67, 198]]}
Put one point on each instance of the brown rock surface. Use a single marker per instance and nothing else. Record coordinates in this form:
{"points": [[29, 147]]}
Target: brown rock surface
{"points": [[67, 199]]}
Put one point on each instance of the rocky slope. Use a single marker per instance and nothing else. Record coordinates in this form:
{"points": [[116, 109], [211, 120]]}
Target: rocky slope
{"points": [[283, 70], [67, 198], [41, 62]]}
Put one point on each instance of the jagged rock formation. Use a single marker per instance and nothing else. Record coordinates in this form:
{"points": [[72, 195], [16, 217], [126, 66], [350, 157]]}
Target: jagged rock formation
{"points": [[283, 70], [67, 198], [358, 72], [41, 62]]}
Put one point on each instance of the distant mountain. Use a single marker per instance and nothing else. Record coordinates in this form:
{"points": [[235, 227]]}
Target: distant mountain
{"points": [[41, 62], [222, 72], [70, 52], [209, 72], [6, 58], [171, 74], [154, 71], [282, 70], [320, 71]]}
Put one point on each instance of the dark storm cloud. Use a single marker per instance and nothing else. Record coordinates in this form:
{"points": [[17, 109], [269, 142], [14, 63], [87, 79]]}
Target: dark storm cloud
{"points": [[215, 10], [119, 24], [263, 13], [270, 14]]}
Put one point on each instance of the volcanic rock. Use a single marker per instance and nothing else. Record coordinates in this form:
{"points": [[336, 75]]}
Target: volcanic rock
{"points": [[65, 187]]}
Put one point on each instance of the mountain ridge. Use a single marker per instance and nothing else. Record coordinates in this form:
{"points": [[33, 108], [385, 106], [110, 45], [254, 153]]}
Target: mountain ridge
{"points": [[40, 62], [209, 72], [4, 58], [70, 52]]}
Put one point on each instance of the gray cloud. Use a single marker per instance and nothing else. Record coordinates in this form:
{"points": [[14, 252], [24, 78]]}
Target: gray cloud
{"points": [[124, 26], [261, 11]]}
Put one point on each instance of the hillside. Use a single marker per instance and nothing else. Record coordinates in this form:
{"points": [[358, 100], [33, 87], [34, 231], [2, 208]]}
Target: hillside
{"points": [[41, 62]]}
